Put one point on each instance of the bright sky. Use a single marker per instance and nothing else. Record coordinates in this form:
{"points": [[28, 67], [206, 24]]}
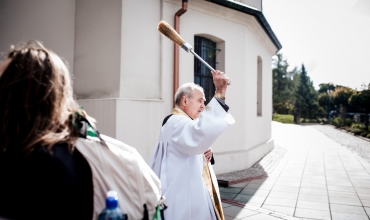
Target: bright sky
{"points": [[331, 38]]}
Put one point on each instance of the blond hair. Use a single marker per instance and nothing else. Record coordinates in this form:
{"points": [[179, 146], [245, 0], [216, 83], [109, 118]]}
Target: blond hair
{"points": [[37, 103]]}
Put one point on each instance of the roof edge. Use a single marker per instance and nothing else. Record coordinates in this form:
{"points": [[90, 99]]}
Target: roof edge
{"points": [[254, 12]]}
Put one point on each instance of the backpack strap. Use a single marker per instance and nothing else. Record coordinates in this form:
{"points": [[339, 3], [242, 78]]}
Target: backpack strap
{"points": [[87, 131]]}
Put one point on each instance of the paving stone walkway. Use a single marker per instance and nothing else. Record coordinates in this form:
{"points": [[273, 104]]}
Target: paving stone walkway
{"points": [[261, 168], [315, 178]]}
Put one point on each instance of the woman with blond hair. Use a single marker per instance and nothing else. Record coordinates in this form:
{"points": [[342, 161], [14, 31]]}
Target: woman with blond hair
{"points": [[42, 175], [54, 164]]}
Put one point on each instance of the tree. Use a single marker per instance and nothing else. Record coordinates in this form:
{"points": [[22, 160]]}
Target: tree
{"points": [[341, 97], [324, 98], [324, 101], [326, 88], [282, 85], [306, 97], [362, 99]]}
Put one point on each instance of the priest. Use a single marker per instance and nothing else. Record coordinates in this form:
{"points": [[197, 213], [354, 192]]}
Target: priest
{"points": [[188, 180]]}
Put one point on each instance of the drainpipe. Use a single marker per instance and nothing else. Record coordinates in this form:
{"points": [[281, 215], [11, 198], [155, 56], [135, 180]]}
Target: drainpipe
{"points": [[176, 51]]}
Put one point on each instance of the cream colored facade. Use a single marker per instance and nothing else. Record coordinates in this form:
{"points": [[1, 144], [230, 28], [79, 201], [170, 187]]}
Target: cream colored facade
{"points": [[123, 67]]}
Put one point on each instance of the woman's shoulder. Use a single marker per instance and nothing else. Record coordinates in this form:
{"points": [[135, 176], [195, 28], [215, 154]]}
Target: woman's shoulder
{"points": [[58, 158], [58, 152], [59, 176]]}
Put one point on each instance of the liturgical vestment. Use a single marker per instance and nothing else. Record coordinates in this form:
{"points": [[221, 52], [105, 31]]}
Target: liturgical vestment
{"points": [[178, 161]]}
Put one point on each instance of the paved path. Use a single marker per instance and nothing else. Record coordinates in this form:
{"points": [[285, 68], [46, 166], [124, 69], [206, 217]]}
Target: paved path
{"points": [[317, 178]]}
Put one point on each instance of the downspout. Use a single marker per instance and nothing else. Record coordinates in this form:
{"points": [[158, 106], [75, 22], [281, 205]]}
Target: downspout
{"points": [[176, 51]]}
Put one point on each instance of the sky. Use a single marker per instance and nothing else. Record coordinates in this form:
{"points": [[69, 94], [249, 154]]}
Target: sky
{"points": [[330, 37]]}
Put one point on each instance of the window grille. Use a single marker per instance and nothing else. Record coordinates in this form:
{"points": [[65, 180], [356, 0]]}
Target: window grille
{"points": [[206, 49]]}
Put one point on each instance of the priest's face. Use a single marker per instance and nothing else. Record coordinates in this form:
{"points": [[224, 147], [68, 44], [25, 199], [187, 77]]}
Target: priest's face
{"points": [[194, 106]]}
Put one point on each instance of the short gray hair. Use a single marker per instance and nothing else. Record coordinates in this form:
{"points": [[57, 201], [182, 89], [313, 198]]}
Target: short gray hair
{"points": [[186, 90]]}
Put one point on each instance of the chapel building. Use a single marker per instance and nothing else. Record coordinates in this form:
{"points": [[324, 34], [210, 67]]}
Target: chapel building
{"points": [[125, 71]]}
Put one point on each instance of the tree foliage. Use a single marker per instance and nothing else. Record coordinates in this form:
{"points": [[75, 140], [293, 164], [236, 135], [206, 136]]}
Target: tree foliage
{"points": [[341, 97], [293, 92], [324, 99], [306, 96], [326, 88], [282, 86], [362, 99]]}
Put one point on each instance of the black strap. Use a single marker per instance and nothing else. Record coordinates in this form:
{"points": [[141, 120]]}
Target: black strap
{"points": [[224, 106], [162, 211], [146, 214], [166, 119], [212, 160], [83, 123]]}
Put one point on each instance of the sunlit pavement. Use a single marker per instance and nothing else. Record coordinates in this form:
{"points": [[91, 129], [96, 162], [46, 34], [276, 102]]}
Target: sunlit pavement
{"points": [[317, 178]]}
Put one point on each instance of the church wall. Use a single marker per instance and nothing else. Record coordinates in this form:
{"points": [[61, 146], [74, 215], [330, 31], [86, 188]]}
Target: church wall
{"points": [[104, 112], [51, 22], [136, 122], [139, 123], [123, 67], [141, 72], [136, 116], [97, 49], [249, 139]]}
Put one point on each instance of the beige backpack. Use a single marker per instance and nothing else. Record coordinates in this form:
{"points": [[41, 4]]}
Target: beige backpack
{"points": [[117, 166]]}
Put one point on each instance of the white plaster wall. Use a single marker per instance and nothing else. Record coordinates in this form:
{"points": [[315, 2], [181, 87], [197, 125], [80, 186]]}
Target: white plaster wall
{"points": [[128, 59], [97, 48], [249, 139], [139, 123], [235, 45], [140, 50], [136, 122], [104, 112], [146, 87], [167, 49], [239, 160], [129, 67], [51, 22]]}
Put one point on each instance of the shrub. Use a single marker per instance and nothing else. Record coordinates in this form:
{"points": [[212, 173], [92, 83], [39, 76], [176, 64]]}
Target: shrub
{"points": [[368, 135], [364, 133], [322, 120], [348, 122], [312, 121], [337, 122], [356, 131], [357, 125]]}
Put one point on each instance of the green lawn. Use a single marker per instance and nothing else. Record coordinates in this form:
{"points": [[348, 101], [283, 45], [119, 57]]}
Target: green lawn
{"points": [[287, 119]]}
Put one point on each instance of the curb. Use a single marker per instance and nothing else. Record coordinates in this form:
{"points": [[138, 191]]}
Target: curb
{"points": [[359, 136], [227, 183]]}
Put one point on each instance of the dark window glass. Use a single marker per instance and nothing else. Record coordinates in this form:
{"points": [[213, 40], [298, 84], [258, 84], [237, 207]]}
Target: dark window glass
{"points": [[206, 49]]}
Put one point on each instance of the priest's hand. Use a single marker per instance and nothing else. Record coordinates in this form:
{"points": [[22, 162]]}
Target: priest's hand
{"points": [[208, 154], [220, 80]]}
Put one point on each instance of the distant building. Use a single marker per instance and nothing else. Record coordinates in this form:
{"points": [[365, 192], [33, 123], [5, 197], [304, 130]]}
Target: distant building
{"points": [[124, 68]]}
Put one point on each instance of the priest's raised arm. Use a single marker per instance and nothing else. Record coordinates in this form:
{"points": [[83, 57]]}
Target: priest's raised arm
{"points": [[196, 136]]}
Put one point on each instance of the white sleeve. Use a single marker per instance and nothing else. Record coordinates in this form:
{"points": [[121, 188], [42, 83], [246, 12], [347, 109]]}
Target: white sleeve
{"points": [[193, 137]]}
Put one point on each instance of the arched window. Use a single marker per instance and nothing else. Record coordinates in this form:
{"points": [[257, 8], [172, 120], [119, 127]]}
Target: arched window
{"points": [[206, 49], [259, 86]]}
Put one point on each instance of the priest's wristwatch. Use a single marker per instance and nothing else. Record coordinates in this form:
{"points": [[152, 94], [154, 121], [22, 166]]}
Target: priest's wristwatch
{"points": [[218, 95]]}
